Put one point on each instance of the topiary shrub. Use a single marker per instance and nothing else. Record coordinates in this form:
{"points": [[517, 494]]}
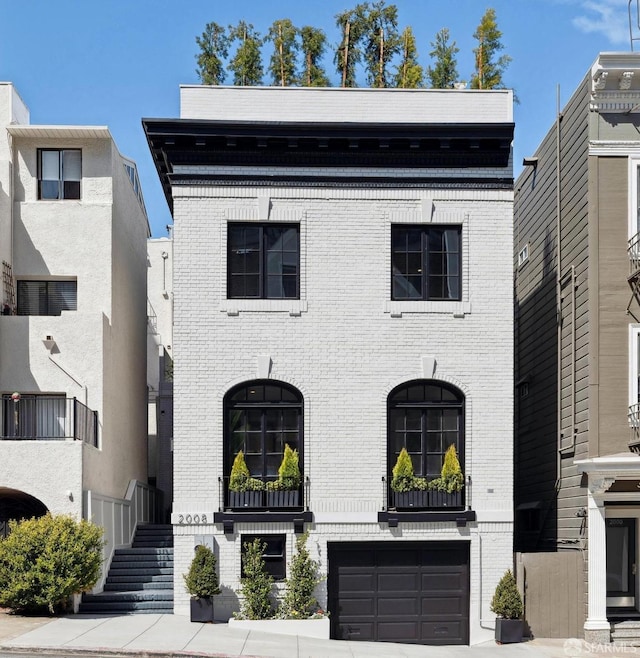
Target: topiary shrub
{"points": [[298, 601], [256, 583], [240, 478], [201, 580], [506, 601], [44, 561], [403, 479], [451, 477], [289, 476]]}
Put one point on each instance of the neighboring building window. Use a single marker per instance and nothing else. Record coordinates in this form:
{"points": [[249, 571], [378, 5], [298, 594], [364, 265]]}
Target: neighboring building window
{"points": [[261, 417], [263, 261], [425, 262], [523, 255], [46, 297], [426, 417], [59, 173], [274, 554]]}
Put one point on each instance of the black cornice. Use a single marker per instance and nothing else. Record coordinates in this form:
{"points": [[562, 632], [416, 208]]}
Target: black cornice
{"points": [[308, 146]]}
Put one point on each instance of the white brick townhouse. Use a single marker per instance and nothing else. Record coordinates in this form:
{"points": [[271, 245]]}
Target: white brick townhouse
{"points": [[342, 282]]}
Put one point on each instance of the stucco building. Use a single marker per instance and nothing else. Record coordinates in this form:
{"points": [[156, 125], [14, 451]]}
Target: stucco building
{"points": [[342, 284], [73, 372]]}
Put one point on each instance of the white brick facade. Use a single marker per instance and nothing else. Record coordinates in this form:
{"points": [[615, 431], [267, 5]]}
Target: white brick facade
{"points": [[345, 345]]}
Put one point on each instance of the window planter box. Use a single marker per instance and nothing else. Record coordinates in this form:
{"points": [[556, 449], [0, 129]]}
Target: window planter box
{"points": [[304, 627], [444, 499], [283, 498], [245, 499], [410, 499]]}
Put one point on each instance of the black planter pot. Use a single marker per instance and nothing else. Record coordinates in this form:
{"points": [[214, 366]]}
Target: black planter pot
{"points": [[283, 498], [202, 610], [509, 630], [245, 499]]}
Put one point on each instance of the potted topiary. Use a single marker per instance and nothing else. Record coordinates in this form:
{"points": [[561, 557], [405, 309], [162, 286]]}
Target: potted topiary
{"points": [[446, 491], [244, 490], [202, 583], [285, 491], [507, 604], [407, 490]]}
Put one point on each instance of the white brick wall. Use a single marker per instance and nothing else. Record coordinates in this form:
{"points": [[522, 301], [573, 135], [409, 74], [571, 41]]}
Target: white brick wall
{"points": [[345, 352]]}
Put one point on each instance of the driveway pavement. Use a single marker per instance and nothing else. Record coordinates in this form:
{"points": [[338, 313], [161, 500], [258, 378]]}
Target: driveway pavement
{"points": [[163, 636]]}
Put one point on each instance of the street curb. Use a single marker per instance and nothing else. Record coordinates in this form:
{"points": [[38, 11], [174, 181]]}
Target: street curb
{"points": [[111, 653]]}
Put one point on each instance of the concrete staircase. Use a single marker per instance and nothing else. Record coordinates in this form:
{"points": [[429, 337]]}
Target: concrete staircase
{"points": [[140, 578], [626, 633]]}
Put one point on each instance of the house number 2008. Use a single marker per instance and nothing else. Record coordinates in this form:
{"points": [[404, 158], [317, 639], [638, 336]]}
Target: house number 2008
{"points": [[188, 519]]}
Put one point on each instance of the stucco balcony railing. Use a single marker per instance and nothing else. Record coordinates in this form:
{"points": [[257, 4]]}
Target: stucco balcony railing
{"points": [[47, 418], [634, 424]]}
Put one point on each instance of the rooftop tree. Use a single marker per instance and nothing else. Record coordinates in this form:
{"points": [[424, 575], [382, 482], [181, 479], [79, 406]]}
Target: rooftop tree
{"points": [[246, 64], [313, 44], [352, 24], [282, 65], [489, 67], [213, 44], [444, 73], [409, 74], [381, 41]]}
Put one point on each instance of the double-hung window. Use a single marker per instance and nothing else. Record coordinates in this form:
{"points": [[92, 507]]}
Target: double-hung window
{"points": [[46, 297], [426, 262], [263, 261], [59, 173]]}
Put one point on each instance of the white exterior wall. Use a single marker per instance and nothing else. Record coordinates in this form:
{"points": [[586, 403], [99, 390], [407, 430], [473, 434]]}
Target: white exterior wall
{"points": [[345, 350]]}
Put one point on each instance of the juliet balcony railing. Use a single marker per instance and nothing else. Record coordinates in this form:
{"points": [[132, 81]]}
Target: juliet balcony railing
{"points": [[47, 418], [430, 500], [633, 249]]}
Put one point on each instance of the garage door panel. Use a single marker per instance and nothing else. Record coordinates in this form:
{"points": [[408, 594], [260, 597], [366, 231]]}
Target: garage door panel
{"points": [[442, 605], [357, 607], [356, 631], [443, 632], [394, 606], [446, 581], [357, 582], [390, 559], [399, 631], [399, 582], [446, 559]]}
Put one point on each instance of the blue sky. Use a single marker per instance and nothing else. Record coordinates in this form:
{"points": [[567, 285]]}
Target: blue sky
{"points": [[112, 62]]}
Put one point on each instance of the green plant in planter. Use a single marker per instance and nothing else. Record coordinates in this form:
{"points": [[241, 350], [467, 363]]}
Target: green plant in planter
{"points": [[289, 476], [256, 583], [201, 581], [451, 478], [298, 601], [506, 601], [403, 479], [240, 479]]}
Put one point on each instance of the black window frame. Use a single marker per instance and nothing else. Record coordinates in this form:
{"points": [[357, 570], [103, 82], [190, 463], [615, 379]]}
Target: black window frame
{"points": [[274, 555], [253, 404], [427, 264], [262, 289], [451, 399], [51, 302], [67, 189]]}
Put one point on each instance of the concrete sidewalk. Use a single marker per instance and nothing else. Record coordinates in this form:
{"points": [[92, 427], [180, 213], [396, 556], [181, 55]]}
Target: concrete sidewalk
{"points": [[174, 635]]}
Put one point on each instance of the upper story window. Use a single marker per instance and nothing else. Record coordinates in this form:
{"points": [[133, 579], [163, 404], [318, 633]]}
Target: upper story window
{"points": [[425, 262], [59, 173], [263, 261], [47, 297]]}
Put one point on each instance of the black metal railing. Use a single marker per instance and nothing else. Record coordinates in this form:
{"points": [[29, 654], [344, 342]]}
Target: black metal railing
{"points": [[47, 418], [633, 249], [634, 425], [264, 499]]}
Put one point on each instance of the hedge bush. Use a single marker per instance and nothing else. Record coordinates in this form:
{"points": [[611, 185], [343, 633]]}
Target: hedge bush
{"points": [[44, 561], [298, 601], [256, 583]]}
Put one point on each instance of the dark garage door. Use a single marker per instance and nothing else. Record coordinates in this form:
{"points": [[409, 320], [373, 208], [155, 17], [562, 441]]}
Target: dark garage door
{"points": [[414, 592]]}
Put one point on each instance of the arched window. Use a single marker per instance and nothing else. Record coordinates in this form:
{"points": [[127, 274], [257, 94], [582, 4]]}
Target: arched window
{"points": [[426, 417], [261, 417]]}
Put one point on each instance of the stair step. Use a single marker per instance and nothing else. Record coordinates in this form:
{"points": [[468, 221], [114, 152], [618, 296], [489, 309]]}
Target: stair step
{"points": [[135, 553], [112, 597], [152, 543], [127, 578], [143, 564], [152, 571], [135, 586], [150, 607]]}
